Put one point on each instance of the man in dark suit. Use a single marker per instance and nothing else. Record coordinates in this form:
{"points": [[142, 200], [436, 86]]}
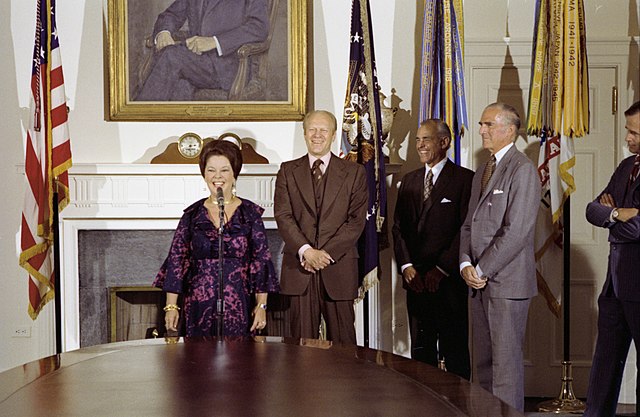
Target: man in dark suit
{"points": [[432, 204], [497, 255], [207, 58], [616, 209], [320, 207]]}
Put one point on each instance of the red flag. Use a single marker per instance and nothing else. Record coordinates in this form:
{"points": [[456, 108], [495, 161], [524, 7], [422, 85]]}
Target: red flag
{"points": [[47, 158]]}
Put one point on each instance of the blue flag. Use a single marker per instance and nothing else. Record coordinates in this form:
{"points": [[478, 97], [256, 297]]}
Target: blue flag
{"points": [[362, 138], [442, 69]]}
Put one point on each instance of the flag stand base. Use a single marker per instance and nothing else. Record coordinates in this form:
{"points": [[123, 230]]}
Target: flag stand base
{"points": [[567, 402]]}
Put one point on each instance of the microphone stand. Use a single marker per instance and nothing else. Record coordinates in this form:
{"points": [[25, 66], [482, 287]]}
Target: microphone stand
{"points": [[220, 303]]}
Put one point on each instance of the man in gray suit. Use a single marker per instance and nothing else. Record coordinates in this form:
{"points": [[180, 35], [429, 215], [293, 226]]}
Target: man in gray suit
{"points": [[497, 255], [616, 209]]}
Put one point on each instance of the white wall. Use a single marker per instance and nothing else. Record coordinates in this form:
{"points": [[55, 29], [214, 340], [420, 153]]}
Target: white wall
{"points": [[82, 26]]}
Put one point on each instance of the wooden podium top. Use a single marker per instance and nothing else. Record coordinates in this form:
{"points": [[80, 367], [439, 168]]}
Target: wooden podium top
{"points": [[265, 376]]}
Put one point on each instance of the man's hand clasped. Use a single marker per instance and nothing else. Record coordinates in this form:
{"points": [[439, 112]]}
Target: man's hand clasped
{"points": [[196, 44], [429, 282], [315, 260], [470, 276]]}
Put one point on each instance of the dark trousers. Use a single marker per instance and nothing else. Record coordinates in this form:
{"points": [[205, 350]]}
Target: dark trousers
{"points": [[176, 74], [618, 324], [306, 309], [438, 325]]}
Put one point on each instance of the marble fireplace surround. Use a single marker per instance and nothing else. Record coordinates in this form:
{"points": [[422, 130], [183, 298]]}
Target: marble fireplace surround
{"points": [[139, 197]]}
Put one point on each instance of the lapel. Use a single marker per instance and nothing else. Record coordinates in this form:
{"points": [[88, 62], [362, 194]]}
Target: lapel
{"points": [[629, 189], [499, 172], [205, 7], [334, 181], [436, 193], [303, 180]]}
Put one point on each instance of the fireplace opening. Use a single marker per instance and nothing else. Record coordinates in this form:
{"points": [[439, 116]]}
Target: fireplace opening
{"points": [[135, 313]]}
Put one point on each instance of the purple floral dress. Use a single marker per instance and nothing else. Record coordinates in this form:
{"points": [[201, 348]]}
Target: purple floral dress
{"points": [[191, 268]]}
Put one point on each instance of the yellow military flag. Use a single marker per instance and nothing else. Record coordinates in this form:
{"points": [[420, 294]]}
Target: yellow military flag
{"points": [[558, 112]]}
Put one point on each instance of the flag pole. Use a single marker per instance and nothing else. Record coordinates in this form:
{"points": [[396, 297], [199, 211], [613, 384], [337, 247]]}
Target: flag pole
{"points": [[56, 267], [566, 401], [566, 287]]}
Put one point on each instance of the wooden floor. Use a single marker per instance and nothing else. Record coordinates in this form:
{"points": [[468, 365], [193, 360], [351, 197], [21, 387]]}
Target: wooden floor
{"points": [[531, 409]]}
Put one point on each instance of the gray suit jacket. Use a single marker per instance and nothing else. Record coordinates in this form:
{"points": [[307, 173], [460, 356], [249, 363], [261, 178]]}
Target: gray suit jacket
{"points": [[498, 233]]}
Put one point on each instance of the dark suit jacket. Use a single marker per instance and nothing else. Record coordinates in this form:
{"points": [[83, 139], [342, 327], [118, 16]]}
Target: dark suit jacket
{"points": [[233, 22], [341, 221], [623, 271], [498, 232], [428, 234]]}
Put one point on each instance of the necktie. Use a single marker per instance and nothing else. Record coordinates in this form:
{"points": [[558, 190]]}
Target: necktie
{"points": [[635, 170], [316, 172], [428, 185], [488, 172]]}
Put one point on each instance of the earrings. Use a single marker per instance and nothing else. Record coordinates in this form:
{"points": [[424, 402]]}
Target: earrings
{"points": [[233, 189]]}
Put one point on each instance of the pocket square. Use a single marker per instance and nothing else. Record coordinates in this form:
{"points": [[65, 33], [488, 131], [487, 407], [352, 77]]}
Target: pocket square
{"points": [[445, 200], [496, 191]]}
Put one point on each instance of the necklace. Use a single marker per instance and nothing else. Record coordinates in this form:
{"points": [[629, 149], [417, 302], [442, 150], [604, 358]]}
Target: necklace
{"points": [[215, 202]]}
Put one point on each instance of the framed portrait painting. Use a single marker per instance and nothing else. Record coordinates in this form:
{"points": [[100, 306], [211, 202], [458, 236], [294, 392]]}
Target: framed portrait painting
{"points": [[207, 60]]}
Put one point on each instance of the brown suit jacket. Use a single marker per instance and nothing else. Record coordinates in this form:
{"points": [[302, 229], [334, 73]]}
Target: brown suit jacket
{"points": [[336, 230]]}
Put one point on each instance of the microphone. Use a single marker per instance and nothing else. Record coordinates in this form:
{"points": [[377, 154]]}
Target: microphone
{"points": [[220, 197]]}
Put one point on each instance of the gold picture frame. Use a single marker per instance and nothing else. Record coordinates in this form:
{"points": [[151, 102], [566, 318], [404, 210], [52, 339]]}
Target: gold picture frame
{"points": [[281, 92]]}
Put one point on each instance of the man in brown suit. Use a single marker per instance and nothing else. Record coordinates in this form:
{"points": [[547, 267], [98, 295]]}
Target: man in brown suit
{"points": [[320, 207]]}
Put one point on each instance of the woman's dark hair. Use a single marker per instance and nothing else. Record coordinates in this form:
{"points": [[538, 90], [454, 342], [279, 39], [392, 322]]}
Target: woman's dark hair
{"points": [[223, 148]]}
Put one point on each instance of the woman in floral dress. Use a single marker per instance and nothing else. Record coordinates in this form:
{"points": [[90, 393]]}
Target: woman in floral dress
{"points": [[191, 268]]}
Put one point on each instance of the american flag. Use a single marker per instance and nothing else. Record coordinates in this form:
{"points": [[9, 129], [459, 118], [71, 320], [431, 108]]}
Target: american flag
{"points": [[47, 158], [362, 138]]}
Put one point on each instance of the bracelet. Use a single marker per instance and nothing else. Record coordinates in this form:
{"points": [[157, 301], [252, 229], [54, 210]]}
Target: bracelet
{"points": [[171, 307], [262, 306]]}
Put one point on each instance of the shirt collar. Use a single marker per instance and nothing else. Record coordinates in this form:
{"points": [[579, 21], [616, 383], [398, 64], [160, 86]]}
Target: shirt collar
{"points": [[436, 169], [502, 152], [325, 161]]}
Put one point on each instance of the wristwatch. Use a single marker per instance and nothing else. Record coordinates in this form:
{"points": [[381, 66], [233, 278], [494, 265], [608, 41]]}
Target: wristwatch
{"points": [[615, 214]]}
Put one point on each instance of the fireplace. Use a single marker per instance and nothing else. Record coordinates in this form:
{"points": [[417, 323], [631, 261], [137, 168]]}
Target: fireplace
{"points": [[118, 227]]}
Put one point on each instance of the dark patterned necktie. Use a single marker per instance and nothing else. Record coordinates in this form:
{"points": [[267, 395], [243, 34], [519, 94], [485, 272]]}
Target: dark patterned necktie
{"points": [[316, 172], [488, 172], [428, 185], [635, 170]]}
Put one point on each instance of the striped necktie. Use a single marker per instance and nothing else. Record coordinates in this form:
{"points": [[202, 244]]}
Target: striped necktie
{"points": [[428, 185]]}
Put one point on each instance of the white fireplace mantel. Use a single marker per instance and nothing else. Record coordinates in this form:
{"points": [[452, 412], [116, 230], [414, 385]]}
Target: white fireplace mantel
{"points": [[154, 191]]}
